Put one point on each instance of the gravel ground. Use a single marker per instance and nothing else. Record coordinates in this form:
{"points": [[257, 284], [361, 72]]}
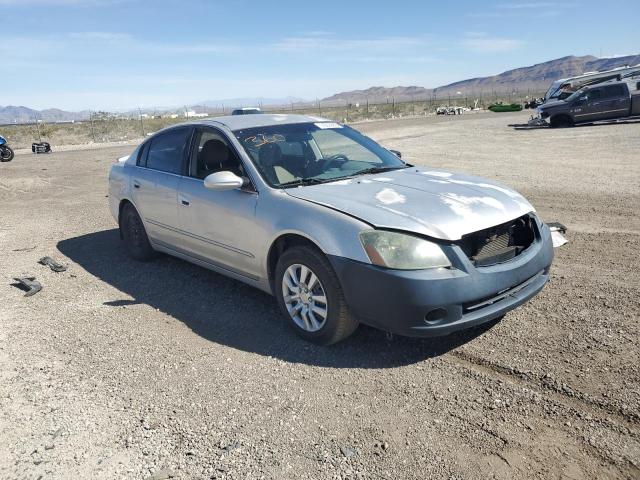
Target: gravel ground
{"points": [[165, 370]]}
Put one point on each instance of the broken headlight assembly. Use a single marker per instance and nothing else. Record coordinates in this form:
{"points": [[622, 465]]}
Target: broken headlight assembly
{"points": [[542, 113], [401, 251]]}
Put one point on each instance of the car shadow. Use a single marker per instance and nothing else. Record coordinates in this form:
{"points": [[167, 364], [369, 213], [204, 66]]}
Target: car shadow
{"points": [[231, 313], [603, 123]]}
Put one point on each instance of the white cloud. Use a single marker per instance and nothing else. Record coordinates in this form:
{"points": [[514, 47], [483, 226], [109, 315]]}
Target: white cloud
{"points": [[327, 41], [482, 43], [59, 3], [101, 36], [535, 5]]}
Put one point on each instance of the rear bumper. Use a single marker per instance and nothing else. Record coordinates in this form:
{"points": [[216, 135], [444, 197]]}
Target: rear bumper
{"points": [[428, 303]]}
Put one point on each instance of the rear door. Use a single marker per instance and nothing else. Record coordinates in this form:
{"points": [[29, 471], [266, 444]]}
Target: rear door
{"points": [[616, 101], [155, 183]]}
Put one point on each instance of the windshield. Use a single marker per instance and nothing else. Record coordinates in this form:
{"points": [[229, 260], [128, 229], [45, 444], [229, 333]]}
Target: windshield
{"points": [[553, 89], [306, 153]]}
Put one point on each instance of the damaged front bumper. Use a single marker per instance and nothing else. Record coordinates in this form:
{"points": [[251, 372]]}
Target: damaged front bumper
{"points": [[537, 121], [435, 302]]}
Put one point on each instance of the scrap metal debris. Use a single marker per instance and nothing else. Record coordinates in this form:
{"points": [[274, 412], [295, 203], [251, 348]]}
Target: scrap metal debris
{"points": [[52, 264], [26, 249], [30, 284], [557, 234], [41, 147]]}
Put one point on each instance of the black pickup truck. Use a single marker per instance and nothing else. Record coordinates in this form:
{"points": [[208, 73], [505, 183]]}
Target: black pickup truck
{"points": [[604, 101]]}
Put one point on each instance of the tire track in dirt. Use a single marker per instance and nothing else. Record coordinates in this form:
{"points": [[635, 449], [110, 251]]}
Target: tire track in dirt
{"points": [[574, 403], [618, 418]]}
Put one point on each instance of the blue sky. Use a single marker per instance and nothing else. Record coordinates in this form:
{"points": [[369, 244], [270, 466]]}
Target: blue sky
{"points": [[116, 54]]}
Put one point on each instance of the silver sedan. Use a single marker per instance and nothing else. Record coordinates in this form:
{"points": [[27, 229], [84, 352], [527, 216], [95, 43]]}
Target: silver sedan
{"points": [[337, 227]]}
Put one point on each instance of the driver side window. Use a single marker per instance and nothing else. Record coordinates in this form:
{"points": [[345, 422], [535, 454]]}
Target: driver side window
{"points": [[594, 95], [212, 153]]}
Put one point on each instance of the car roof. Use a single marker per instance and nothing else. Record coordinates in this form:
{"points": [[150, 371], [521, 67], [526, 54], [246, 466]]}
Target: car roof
{"points": [[239, 122]]}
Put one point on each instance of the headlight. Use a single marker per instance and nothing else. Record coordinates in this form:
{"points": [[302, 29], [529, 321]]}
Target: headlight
{"points": [[404, 252]]}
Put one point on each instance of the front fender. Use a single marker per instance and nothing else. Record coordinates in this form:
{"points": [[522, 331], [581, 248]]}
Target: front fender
{"points": [[334, 232]]}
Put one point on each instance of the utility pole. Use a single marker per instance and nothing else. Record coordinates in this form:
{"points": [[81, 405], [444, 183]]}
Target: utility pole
{"points": [[93, 133], [38, 129], [141, 122]]}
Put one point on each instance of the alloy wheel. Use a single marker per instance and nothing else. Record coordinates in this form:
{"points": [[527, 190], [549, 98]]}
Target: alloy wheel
{"points": [[305, 297]]}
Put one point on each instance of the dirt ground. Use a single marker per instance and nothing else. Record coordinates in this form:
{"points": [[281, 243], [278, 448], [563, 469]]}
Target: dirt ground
{"points": [[118, 369]]}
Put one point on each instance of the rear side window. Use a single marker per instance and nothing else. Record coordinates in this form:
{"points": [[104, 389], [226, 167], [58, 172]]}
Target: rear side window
{"points": [[167, 150], [142, 155], [613, 91]]}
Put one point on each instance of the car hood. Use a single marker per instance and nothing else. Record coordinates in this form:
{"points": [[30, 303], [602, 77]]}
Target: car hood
{"points": [[434, 203]]}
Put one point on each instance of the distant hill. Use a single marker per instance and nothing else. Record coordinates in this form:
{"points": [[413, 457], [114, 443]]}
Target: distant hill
{"points": [[379, 94], [250, 102], [535, 78], [11, 114]]}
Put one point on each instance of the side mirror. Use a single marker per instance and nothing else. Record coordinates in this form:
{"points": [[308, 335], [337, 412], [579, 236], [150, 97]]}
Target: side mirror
{"points": [[221, 181], [396, 153]]}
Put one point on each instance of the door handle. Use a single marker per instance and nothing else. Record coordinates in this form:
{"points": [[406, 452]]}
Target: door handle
{"points": [[136, 185], [184, 201]]}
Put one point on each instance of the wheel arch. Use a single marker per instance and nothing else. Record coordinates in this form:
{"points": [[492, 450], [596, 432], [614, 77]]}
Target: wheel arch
{"points": [[123, 203], [561, 119], [282, 243]]}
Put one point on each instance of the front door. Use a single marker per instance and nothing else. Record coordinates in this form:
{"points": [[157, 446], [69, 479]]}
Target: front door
{"points": [[219, 227], [594, 106]]}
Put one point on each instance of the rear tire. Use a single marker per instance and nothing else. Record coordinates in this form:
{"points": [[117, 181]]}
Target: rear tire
{"points": [[6, 154], [336, 323], [134, 235]]}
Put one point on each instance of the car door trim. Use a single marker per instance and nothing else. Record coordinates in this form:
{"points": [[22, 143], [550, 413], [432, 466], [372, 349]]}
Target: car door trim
{"points": [[203, 239], [204, 262], [600, 113]]}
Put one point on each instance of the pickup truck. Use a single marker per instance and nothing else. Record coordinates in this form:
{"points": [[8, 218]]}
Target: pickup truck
{"points": [[604, 101]]}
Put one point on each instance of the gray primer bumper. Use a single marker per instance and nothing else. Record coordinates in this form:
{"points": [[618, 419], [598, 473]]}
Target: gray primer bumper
{"points": [[398, 300]]}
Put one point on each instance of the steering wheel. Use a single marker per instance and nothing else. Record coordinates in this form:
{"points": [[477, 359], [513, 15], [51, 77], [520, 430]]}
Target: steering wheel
{"points": [[333, 158]]}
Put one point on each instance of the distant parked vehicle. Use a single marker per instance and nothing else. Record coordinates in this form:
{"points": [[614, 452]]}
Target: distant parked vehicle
{"points": [[604, 101], [6, 154], [246, 111], [451, 110], [563, 88]]}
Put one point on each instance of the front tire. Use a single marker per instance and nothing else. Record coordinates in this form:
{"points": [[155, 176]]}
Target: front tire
{"points": [[311, 298], [561, 121], [6, 154], [134, 235]]}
